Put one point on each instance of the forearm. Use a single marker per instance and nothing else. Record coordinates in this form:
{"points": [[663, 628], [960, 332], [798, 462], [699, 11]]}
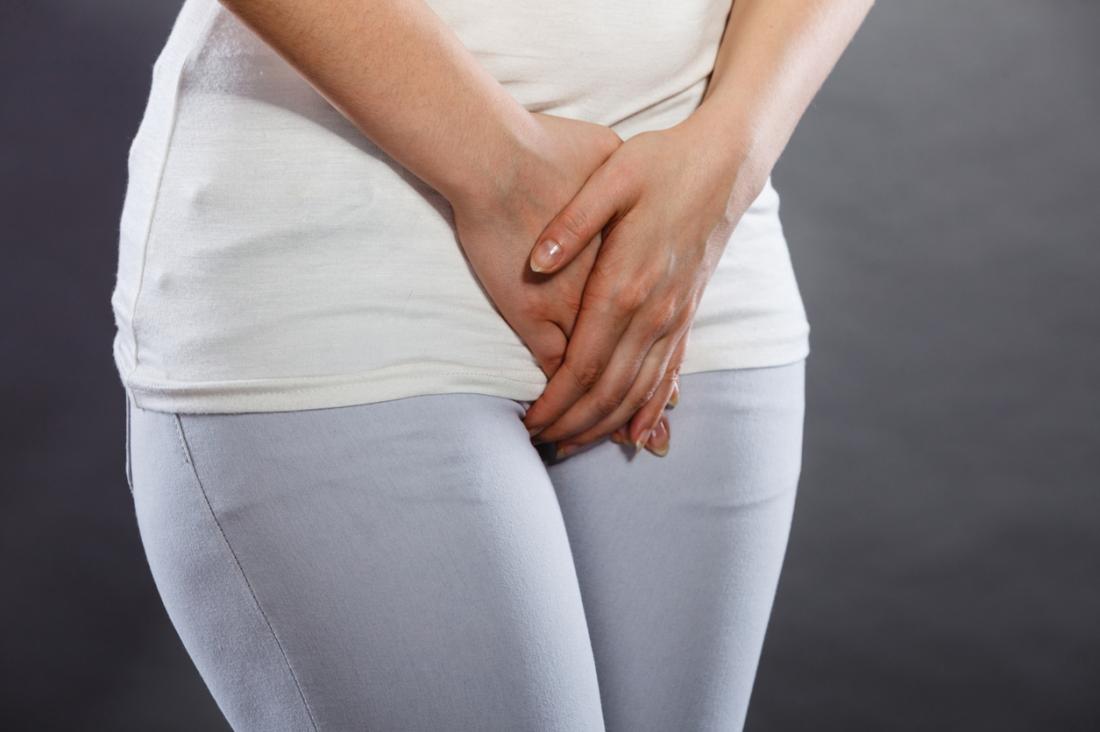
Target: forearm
{"points": [[773, 58], [397, 72]]}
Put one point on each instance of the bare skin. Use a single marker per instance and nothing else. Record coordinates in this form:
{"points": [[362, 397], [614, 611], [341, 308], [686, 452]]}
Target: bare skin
{"points": [[610, 349], [496, 236], [666, 202]]}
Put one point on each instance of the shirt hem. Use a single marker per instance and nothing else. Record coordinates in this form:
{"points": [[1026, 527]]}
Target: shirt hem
{"points": [[395, 382]]}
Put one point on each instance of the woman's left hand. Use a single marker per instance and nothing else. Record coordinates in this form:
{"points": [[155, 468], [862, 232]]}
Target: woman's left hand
{"points": [[666, 202]]}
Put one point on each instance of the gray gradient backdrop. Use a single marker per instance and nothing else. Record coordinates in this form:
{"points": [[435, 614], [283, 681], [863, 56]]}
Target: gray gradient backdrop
{"points": [[941, 203]]}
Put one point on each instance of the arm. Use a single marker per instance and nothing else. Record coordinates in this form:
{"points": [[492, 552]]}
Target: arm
{"points": [[773, 59], [669, 200], [397, 72]]}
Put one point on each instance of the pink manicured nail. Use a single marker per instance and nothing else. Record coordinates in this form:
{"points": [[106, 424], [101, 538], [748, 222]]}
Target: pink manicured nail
{"points": [[546, 255], [658, 443]]}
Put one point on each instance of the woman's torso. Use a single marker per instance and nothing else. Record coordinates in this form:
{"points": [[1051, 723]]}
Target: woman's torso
{"points": [[271, 257]]}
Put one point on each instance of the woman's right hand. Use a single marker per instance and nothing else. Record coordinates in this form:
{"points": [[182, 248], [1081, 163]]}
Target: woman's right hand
{"points": [[505, 171], [497, 230]]}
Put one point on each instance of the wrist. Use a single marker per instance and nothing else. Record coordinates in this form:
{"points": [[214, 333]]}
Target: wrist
{"points": [[733, 148], [493, 164]]}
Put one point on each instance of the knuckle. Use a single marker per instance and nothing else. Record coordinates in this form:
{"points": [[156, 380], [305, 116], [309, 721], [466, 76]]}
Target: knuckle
{"points": [[661, 316], [671, 312], [629, 296], [639, 400], [682, 320], [604, 270], [672, 374], [585, 373], [605, 405], [574, 222]]}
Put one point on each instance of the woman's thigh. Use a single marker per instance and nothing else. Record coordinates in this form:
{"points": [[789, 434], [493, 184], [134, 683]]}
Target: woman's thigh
{"points": [[400, 565], [678, 557]]}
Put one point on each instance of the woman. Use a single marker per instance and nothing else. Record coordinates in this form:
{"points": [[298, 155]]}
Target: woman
{"points": [[369, 252]]}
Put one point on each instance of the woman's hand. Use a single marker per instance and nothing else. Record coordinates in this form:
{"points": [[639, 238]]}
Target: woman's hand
{"points": [[497, 225], [666, 203]]}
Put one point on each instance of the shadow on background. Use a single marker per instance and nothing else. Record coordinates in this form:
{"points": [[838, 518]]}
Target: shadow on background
{"points": [[940, 202]]}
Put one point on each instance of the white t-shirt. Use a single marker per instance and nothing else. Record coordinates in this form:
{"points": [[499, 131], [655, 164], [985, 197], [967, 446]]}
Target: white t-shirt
{"points": [[272, 258]]}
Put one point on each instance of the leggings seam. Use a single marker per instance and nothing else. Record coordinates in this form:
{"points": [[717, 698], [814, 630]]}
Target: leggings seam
{"points": [[251, 591], [129, 466]]}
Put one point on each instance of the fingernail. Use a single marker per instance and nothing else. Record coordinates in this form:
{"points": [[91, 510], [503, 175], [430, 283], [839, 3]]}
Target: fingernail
{"points": [[617, 437], [565, 451], [642, 440], [546, 255], [658, 444], [675, 398]]}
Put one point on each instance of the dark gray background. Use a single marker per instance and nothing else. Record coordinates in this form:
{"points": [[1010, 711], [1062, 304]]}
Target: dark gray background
{"points": [[940, 201]]}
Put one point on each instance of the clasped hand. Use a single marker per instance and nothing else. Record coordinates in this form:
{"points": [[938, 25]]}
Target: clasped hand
{"points": [[606, 298]]}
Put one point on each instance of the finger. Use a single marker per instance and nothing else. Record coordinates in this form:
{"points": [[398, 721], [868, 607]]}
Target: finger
{"points": [[600, 327], [567, 303], [626, 386], [659, 439], [649, 390], [602, 356], [600, 199], [646, 418], [643, 421], [675, 398], [547, 343], [621, 435]]}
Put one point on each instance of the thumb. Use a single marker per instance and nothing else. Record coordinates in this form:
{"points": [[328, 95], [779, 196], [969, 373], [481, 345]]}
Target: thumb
{"points": [[576, 225], [546, 341]]}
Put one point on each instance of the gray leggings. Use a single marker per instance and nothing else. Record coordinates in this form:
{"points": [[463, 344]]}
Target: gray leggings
{"points": [[416, 564]]}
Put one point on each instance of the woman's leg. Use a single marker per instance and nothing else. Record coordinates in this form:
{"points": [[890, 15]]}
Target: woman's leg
{"points": [[678, 557], [392, 566]]}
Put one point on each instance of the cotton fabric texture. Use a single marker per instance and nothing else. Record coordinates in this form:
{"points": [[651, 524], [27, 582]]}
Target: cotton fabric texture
{"points": [[272, 258]]}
